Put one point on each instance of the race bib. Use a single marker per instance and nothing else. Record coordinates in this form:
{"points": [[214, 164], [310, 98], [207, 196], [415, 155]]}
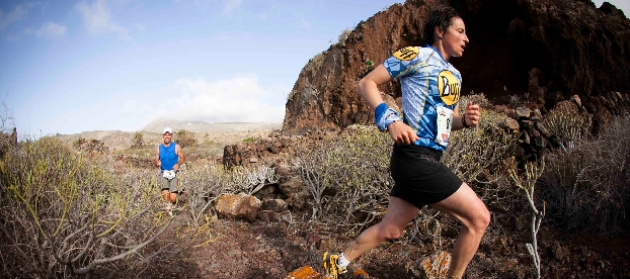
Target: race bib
{"points": [[443, 123], [168, 174]]}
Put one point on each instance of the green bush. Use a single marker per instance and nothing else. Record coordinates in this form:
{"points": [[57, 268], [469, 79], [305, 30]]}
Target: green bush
{"points": [[64, 215]]}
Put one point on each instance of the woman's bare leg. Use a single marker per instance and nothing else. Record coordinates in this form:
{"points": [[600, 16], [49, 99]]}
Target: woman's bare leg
{"points": [[472, 212], [399, 214]]}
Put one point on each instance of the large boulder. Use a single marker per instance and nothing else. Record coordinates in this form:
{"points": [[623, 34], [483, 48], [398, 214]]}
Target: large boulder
{"points": [[433, 267], [239, 206]]}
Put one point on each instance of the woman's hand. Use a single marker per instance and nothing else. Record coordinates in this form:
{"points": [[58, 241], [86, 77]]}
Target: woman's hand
{"points": [[402, 133], [472, 114]]}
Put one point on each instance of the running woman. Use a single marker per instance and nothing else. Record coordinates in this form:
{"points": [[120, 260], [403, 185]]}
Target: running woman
{"points": [[430, 93]]}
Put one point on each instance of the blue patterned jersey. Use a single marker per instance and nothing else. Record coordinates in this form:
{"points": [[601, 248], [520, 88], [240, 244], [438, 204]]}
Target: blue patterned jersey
{"points": [[427, 82]]}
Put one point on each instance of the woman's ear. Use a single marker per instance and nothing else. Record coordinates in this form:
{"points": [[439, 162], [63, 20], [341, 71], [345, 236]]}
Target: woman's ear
{"points": [[438, 32]]}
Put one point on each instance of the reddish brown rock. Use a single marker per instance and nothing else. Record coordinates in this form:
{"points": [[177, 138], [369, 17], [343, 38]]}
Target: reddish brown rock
{"points": [[516, 47], [511, 124], [306, 272], [433, 267], [268, 216], [240, 206], [275, 205]]}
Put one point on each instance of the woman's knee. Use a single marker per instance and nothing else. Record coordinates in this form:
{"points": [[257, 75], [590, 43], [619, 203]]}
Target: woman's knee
{"points": [[390, 231], [481, 220]]}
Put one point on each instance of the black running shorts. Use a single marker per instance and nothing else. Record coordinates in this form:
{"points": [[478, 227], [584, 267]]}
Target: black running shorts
{"points": [[419, 176]]}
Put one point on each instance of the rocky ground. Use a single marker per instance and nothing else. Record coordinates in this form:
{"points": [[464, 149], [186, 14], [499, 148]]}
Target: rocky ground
{"points": [[275, 249]]}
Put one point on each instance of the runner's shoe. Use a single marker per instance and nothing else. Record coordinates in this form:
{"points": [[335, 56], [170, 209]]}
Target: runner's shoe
{"points": [[331, 267], [168, 207]]}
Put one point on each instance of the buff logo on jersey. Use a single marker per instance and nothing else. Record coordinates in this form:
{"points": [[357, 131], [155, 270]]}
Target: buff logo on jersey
{"points": [[407, 53], [448, 87]]}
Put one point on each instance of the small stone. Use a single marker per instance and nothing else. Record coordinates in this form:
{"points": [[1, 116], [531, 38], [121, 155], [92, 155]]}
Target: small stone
{"points": [[525, 137], [512, 124], [522, 112]]}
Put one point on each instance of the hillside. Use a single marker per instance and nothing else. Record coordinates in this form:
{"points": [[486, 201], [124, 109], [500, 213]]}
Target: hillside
{"points": [[538, 50], [212, 135], [202, 127]]}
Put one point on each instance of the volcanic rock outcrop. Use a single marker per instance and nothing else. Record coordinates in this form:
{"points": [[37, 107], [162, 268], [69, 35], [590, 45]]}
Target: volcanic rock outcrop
{"points": [[544, 51]]}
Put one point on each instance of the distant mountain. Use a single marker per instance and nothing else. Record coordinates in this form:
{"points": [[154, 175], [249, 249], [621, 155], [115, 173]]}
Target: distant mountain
{"points": [[158, 124]]}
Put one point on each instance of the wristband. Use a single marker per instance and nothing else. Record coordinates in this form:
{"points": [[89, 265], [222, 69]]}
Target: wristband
{"points": [[464, 122], [384, 116]]}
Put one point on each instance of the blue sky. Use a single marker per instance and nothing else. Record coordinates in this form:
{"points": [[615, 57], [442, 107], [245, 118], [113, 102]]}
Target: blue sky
{"points": [[72, 66]]}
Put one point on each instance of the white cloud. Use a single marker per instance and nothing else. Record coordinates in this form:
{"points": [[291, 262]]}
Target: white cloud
{"points": [[48, 29], [304, 24], [240, 99], [13, 16], [97, 18], [230, 5]]}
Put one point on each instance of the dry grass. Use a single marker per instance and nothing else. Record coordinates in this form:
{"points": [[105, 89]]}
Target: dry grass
{"points": [[64, 214], [587, 187]]}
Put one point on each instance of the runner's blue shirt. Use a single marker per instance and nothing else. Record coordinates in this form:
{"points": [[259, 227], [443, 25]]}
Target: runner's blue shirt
{"points": [[168, 156], [427, 82]]}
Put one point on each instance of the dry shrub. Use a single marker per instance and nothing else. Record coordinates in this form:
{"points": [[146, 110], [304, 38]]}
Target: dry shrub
{"points": [[138, 141], [64, 215], [185, 139], [90, 146], [249, 180], [482, 156], [343, 37], [477, 99], [348, 176], [203, 185], [588, 186], [569, 127]]}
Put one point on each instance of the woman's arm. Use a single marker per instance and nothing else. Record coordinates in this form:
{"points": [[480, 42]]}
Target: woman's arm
{"points": [[471, 117], [368, 90], [368, 86]]}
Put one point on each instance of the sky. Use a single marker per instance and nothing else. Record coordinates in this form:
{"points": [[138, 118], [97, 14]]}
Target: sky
{"points": [[73, 66]]}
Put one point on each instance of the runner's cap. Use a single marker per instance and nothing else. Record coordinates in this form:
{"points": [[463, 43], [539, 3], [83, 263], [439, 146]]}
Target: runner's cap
{"points": [[167, 130]]}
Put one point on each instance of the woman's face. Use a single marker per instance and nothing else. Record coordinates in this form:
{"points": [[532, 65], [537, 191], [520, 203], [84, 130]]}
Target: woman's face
{"points": [[455, 39]]}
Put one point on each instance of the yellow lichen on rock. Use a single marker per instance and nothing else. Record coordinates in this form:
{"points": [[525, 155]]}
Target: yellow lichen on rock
{"points": [[361, 273], [306, 272]]}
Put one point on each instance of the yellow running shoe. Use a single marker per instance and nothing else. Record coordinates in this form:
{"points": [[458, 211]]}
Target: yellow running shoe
{"points": [[331, 267]]}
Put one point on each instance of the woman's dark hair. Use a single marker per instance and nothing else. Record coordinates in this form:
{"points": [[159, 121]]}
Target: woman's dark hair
{"points": [[440, 16]]}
